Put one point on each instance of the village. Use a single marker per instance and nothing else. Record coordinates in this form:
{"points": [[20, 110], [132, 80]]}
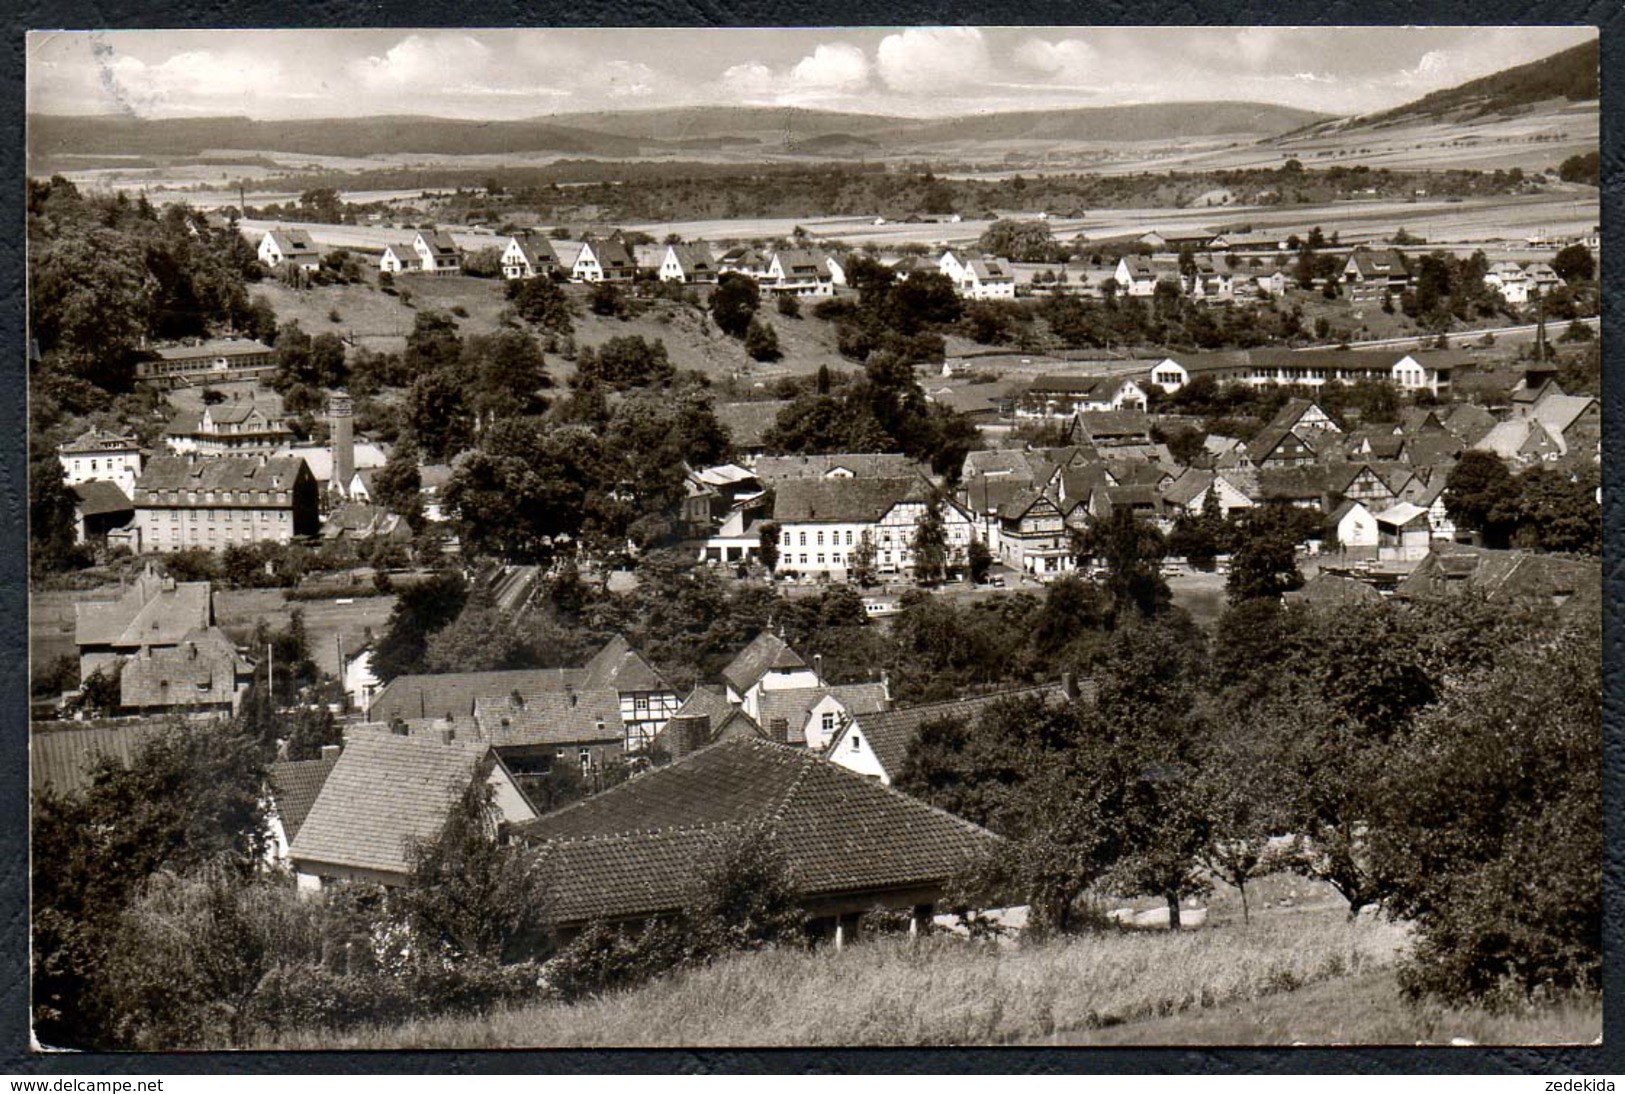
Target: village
{"points": [[568, 573]]}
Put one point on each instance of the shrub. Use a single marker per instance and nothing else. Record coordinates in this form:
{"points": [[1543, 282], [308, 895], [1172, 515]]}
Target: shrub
{"points": [[762, 342]]}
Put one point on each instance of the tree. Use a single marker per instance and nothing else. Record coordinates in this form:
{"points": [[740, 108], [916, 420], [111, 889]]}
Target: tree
{"points": [[930, 544], [1020, 241], [860, 561], [761, 341], [507, 374], [432, 345], [1264, 562], [734, 303], [747, 897], [1476, 495], [626, 362], [1500, 866], [51, 522], [1132, 551], [605, 298], [438, 417], [789, 306], [978, 560], [767, 539], [480, 639], [327, 368], [523, 489], [1583, 167], [470, 897], [540, 301], [1575, 263], [398, 485], [192, 796], [420, 610]]}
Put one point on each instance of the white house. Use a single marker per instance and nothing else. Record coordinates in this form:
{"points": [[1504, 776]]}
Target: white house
{"points": [[767, 664], [99, 455], [527, 256], [289, 247], [397, 258], [361, 684], [690, 263], [437, 253], [1136, 275], [1356, 526], [1509, 280], [800, 272], [823, 522], [1404, 533]]}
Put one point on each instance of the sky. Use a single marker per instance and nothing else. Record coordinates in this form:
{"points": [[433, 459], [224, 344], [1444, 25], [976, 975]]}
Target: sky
{"points": [[915, 72]]}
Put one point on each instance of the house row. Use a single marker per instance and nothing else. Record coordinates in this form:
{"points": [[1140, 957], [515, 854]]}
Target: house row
{"points": [[1213, 278], [1519, 284], [430, 252], [1421, 370], [1065, 395], [974, 277]]}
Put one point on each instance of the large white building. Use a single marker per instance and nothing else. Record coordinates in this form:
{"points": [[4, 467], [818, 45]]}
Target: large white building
{"points": [[823, 522], [97, 455], [1423, 370]]}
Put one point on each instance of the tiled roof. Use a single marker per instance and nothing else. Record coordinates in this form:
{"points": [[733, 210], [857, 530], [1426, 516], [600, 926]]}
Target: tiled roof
{"points": [[803, 262], [99, 440], [537, 251], [997, 461], [1187, 487], [1502, 576], [1114, 423], [863, 465], [293, 241], [384, 792], [221, 473], [435, 695], [203, 669], [854, 500], [765, 652], [152, 612], [61, 759], [1334, 590], [795, 704], [638, 848], [99, 497], [440, 243], [1557, 412], [891, 732], [549, 718], [319, 458], [618, 667], [294, 787], [1291, 483], [1197, 363]]}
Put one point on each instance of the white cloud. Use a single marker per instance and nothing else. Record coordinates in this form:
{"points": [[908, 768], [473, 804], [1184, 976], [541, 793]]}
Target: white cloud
{"points": [[747, 80], [832, 67], [929, 60], [627, 79], [423, 62], [1070, 57], [184, 81]]}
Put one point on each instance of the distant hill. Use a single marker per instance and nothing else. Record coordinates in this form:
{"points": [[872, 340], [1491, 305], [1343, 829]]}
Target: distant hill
{"points": [[628, 134], [1143, 122], [1569, 76], [111, 135]]}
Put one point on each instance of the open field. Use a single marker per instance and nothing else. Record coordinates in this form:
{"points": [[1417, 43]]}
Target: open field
{"points": [[938, 991], [1356, 1010], [327, 622]]}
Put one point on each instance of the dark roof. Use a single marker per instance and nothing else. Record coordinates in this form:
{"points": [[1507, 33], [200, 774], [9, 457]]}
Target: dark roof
{"points": [[549, 718], [620, 668], [765, 652], [99, 497], [863, 465], [221, 473], [99, 440], [202, 669], [636, 849], [1502, 576], [219, 347], [61, 759], [294, 787], [1114, 423], [435, 695], [153, 611], [854, 500], [1291, 483], [1335, 591], [795, 704]]}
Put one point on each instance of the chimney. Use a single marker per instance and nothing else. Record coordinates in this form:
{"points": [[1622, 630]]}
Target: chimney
{"points": [[331, 752], [689, 733], [1069, 684], [778, 731], [191, 651], [818, 666], [885, 684], [448, 735], [516, 700], [573, 697]]}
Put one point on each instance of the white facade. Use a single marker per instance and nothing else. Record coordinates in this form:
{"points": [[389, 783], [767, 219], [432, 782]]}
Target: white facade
{"points": [[115, 461], [394, 261], [850, 749], [825, 547], [587, 266], [361, 684], [271, 254], [1357, 527]]}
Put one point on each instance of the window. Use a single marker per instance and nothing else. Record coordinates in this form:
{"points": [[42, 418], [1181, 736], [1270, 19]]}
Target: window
{"points": [[857, 743], [804, 560], [586, 760], [803, 544], [787, 539], [828, 721], [640, 704], [820, 539], [849, 537]]}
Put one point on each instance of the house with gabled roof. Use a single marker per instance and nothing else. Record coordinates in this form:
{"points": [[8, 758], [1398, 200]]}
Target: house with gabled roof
{"points": [[99, 507], [183, 502], [203, 673], [1505, 577], [689, 263], [1137, 275], [1176, 370], [388, 793], [1283, 446], [630, 854], [289, 247], [154, 612], [437, 252], [291, 789], [97, 455], [810, 717], [799, 271], [987, 279], [398, 258], [1188, 492], [876, 745], [1032, 534], [766, 664], [1356, 528], [1368, 275], [606, 259], [579, 727], [526, 257], [242, 427], [1063, 395], [1521, 440], [823, 521]]}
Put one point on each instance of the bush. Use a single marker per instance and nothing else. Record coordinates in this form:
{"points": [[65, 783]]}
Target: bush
{"points": [[603, 958], [789, 307], [762, 342]]}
